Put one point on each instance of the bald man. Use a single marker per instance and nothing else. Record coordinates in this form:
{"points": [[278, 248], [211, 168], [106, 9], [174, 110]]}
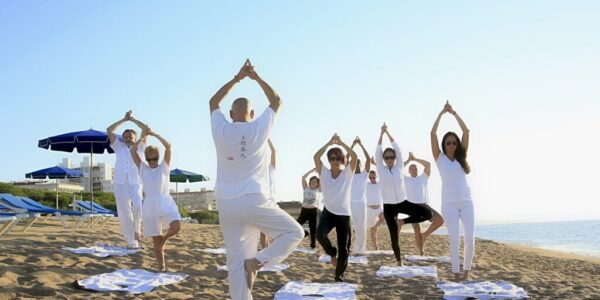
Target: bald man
{"points": [[242, 189]]}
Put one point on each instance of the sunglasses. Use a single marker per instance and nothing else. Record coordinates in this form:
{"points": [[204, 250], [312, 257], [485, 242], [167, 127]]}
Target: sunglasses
{"points": [[451, 143], [389, 157], [152, 159], [334, 158], [372, 177]]}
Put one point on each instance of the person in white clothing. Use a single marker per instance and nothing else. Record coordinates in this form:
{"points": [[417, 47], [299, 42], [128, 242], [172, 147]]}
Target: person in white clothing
{"points": [[127, 182], [311, 200], [374, 207], [158, 206], [389, 166], [242, 188], [358, 202], [457, 204], [264, 240], [416, 192], [335, 185]]}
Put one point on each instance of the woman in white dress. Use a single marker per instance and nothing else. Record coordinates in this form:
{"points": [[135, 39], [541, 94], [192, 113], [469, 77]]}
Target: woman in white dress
{"points": [[158, 206]]}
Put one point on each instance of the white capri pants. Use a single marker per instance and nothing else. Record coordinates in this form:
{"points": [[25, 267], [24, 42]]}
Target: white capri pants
{"points": [[453, 213], [241, 220]]}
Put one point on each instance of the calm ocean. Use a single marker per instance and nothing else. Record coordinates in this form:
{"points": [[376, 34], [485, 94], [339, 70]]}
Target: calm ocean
{"points": [[579, 237]]}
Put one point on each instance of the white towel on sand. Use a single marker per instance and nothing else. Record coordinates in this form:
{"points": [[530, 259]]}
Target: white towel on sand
{"points": [[102, 250], [379, 252], [306, 250], [299, 290], [444, 259], [407, 271], [215, 251], [134, 281], [275, 268], [481, 290], [351, 259]]}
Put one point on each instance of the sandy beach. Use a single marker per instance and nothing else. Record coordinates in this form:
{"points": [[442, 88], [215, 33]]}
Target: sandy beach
{"points": [[33, 264]]}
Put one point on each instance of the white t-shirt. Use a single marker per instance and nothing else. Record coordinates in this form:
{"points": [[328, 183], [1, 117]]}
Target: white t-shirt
{"points": [[392, 181], [126, 171], [359, 183], [336, 192], [416, 188], [311, 198], [374, 194], [157, 200], [242, 155], [455, 187]]}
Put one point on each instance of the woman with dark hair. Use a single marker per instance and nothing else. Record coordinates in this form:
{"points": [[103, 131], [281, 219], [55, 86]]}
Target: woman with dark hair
{"points": [[389, 164], [335, 185], [457, 204], [310, 205]]}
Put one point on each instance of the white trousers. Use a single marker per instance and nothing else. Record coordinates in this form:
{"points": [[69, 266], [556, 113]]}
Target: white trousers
{"points": [[359, 224], [241, 221], [129, 208], [453, 213]]}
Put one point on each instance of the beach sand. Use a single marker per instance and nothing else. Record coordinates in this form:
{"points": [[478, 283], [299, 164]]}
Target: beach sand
{"points": [[33, 264]]}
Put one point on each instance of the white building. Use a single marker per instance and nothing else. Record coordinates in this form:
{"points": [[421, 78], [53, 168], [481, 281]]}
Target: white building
{"points": [[194, 201], [103, 174]]}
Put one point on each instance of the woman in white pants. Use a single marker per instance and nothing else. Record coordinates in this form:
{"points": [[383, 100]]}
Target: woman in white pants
{"points": [[457, 204], [358, 202], [158, 206]]}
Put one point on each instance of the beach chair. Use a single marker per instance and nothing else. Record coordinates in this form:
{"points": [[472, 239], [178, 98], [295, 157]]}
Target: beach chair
{"points": [[7, 222], [86, 206], [18, 216], [26, 205]]}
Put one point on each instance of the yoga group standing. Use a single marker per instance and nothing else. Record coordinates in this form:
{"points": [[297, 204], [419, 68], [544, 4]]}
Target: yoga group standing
{"points": [[347, 195]]}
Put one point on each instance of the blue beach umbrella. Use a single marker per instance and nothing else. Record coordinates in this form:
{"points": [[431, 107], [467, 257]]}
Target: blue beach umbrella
{"points": [[88, 141], [55, 173], [179, 175]]}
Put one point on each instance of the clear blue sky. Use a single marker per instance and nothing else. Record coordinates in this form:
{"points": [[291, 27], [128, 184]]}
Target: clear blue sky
{"points": [[523, 74]]}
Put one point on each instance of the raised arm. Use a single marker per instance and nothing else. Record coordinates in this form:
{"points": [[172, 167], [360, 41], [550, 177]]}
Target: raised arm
{"points": [[273, 155], [272, 96], [165, 143], [139, 124], [435, 145], [366, 154], [218, 97], [465, 131], [304, 184], [134, 149], [426, 165], [379, 149], [353, 156], [111, 129], [319, 153]]}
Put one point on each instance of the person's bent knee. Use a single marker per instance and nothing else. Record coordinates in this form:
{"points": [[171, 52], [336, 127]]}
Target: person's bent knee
{"points": [[175, 226]]}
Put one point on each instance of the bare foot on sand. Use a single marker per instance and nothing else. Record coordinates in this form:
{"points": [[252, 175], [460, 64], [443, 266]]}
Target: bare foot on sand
{"points": [[456, 277], [400, 264], [465, 275], [251, 266]]}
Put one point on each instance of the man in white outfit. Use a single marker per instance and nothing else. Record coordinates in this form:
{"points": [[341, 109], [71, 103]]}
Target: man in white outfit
{"points": [[127, 182], [242, 188]]}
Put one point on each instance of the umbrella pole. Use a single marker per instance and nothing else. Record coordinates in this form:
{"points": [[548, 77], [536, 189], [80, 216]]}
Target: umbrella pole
{"points": [[56, 193], [176, 192], [92, 177]]}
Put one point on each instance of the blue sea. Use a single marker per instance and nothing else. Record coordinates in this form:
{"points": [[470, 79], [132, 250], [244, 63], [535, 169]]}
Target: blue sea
{"points": [[578, 237]]}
